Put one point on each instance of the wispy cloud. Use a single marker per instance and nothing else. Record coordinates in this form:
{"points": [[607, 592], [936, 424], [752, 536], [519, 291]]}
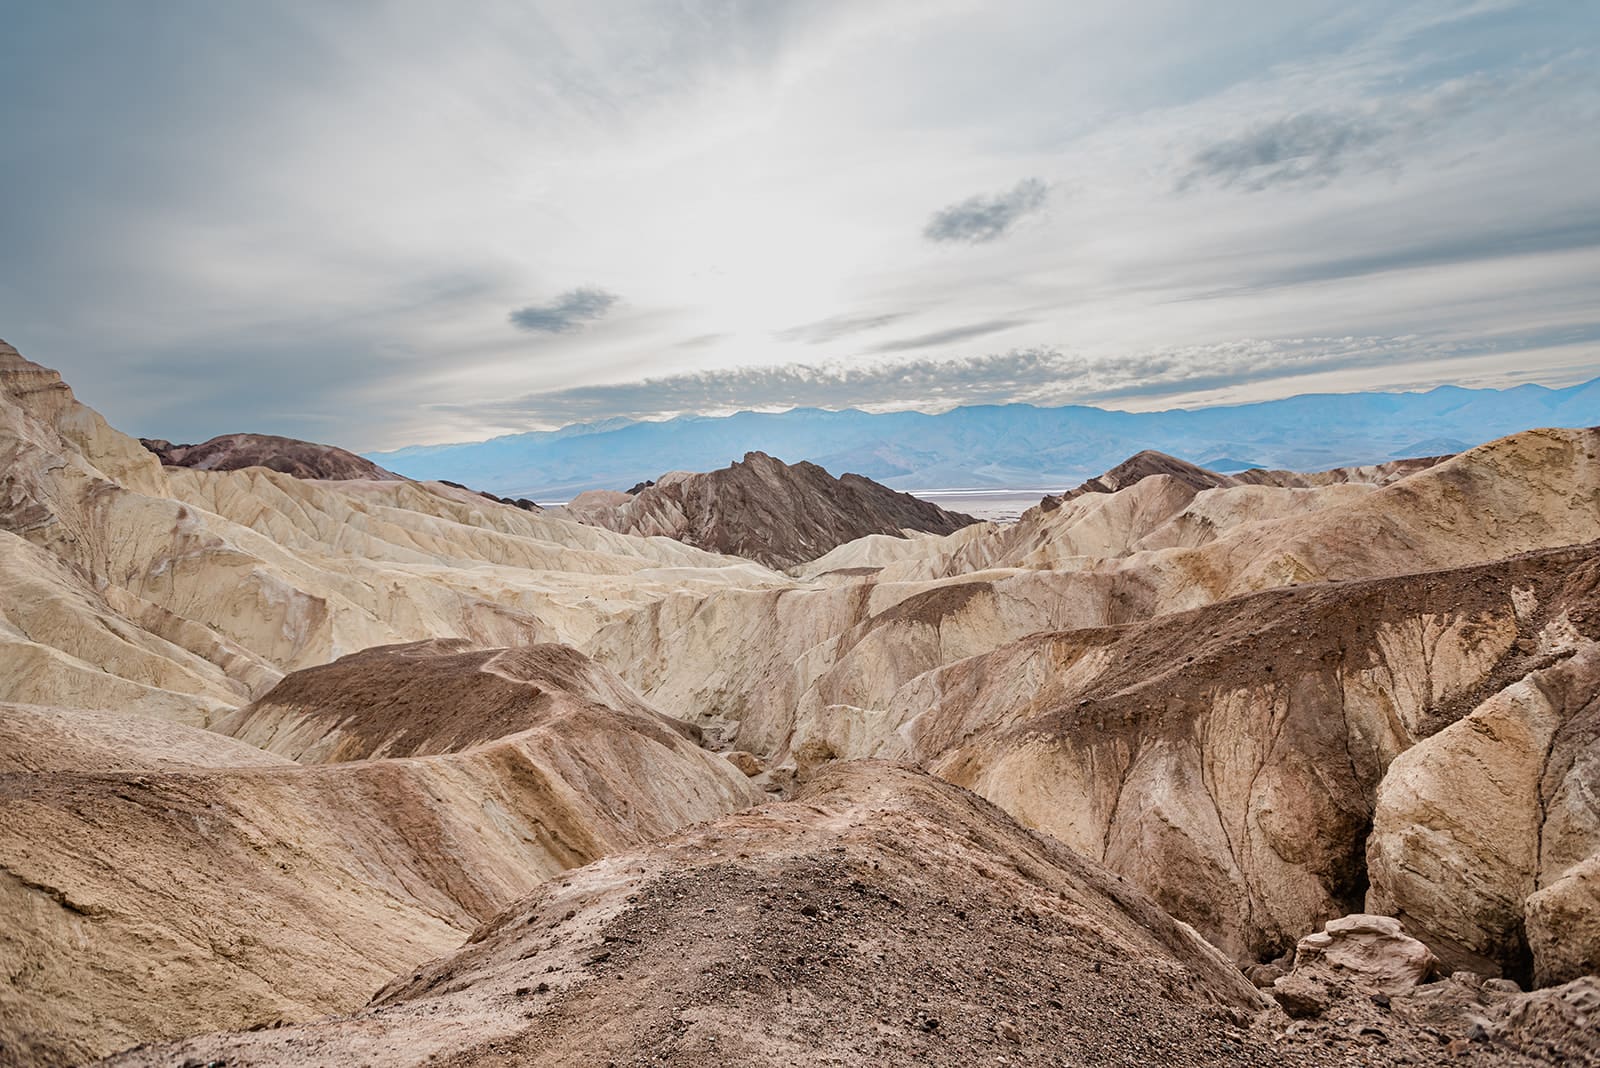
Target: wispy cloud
{"points": [[945, 337], [979, 219], [699, 341], [825, 330], [1312, 146], [1552, 235], [570, 311]]}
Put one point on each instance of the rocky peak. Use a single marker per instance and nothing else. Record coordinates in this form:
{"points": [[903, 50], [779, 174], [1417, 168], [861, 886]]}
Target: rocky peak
{"points": [[290, 456], [764, 509], [1142, 465]]}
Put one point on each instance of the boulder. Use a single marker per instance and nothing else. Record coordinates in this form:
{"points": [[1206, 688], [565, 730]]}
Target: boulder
{"points": [[1373, 952], [1301, 996], [748, 763], [1563, 926], [1264, 975]]}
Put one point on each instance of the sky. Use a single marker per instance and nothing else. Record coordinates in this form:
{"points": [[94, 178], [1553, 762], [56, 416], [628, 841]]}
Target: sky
{"points": [[386, 223]]}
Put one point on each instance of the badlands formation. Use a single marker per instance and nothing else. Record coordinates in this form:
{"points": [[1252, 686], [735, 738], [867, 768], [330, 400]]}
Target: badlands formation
{"points": [[1180, 769], [762, 508]]}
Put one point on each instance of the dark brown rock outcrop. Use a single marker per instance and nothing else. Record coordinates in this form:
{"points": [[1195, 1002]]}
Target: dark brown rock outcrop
{"points": [[1142, 465], [422, 698], [765, 510], [516, 502], [291, 456]]}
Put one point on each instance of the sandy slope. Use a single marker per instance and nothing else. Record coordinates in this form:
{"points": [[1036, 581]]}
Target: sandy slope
{"points": [[163, 898]]}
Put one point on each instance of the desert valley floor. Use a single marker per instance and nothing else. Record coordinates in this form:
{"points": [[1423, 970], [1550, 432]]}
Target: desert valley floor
{"points": [[764, 767]]}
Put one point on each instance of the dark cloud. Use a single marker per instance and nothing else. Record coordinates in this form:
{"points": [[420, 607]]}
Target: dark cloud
{"points": [[945, 337], [986, 218], [568, 312], [1312, 147], [825, 330]]}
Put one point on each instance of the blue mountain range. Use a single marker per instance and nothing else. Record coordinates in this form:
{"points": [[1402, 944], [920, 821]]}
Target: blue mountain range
{"points": [[1011, 445]]}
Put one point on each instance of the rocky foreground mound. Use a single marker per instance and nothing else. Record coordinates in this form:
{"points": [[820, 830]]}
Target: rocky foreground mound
{"points": [[291, 456], [881, 917], [763, 509]]}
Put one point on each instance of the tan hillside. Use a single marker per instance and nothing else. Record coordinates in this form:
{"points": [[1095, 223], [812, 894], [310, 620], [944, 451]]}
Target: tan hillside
{"points": [[161, 897], [234, 577], [1231, 759], [855, 642]]}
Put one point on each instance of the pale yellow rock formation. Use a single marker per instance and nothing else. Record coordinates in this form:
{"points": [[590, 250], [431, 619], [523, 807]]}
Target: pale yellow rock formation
{"points": [[237, 576], [1474, 822], [1228, 759]]}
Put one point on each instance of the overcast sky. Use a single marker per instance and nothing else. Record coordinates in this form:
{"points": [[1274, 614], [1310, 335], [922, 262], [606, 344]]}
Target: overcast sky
{"points": [[378, 224]]}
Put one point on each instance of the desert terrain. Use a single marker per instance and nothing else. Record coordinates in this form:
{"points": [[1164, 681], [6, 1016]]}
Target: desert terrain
{"points": [[306, 763]]}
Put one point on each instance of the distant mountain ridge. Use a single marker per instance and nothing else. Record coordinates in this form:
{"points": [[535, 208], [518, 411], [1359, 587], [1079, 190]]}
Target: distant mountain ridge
{"points": [[1002, 445]]}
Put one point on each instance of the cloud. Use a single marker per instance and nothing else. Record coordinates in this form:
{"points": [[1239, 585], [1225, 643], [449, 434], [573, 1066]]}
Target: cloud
{"points": [[628, 164], [825, 330], [1046, 376], [700, 341], [945, 337], [1557, 234], [979, 219], [1312, 147], [568, 312]]}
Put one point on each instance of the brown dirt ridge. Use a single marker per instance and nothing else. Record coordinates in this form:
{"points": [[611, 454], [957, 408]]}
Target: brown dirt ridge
{"points": [[880, 917], [291, 456]]}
